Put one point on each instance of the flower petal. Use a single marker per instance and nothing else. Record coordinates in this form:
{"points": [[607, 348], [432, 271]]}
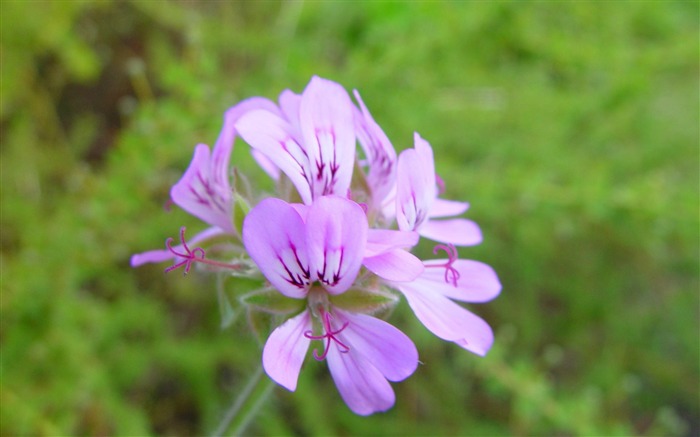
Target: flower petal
{"points": [[459, 231], [381, 156], [385, 347], [477, 281], [395, 265], [156, 256], [382, 240], [425, 152], [336, 232], [198, 193], [363, 388], [266, 164], [448, 320], [326, 122], [221, 153], [274, 236], [285, 350], [414, 190], [274, 137], [289, 104], [447, 208]]}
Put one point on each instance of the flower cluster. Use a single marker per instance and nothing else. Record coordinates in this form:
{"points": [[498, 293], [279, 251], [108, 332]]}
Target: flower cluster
{"points": [[335, 240]]}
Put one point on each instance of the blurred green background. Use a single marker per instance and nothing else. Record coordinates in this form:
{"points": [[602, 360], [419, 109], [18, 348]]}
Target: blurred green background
{"points": [[570, 127]]}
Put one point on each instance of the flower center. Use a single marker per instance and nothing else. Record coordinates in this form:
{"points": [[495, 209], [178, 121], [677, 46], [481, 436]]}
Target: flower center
{"points": [[329, 335]]}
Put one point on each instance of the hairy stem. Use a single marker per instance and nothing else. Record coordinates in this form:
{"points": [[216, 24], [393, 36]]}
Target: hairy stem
{"points": [[246, 405]]}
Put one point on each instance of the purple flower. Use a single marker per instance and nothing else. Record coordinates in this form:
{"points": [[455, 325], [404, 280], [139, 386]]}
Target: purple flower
{"points": [[315, 253], [334, 258], [417, 204]]}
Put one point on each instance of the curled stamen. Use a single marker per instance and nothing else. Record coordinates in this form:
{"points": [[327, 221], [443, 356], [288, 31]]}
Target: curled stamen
{"points": [[451, 273], [329, 334], [189, 255]]}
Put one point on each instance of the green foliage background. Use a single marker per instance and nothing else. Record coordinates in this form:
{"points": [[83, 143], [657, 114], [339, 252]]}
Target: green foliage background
{"points": [[570, 127]]}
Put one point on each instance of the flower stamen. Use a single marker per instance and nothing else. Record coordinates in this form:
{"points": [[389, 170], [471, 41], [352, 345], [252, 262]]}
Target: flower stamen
{"points": [[189, 255], [193, 255], [329, 335], [451, 273]]}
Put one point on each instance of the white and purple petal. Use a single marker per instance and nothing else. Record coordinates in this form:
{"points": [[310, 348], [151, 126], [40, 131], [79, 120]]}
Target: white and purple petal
{"points": [[221, 154], [385, 347], [336, 232], [274, 137], [380, 154], [446, 319], [199, 193], [285, 350], [414, 191], [274, 236], [361, 385], [477, 282], [289, 105], [383, 240], [326, 123], [447, 208], [457, 231], [395, 265]]}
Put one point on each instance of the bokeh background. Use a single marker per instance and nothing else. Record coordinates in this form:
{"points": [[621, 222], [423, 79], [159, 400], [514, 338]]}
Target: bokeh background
{"points": [[570, 127]]}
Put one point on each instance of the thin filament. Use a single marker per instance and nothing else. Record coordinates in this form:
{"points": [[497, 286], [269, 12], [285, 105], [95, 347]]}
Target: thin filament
{"points": [[451, 273], [329, 335]]}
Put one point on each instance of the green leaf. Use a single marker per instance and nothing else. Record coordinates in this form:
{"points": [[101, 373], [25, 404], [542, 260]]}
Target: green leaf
{"points": [[271, 301], [365, 301]]}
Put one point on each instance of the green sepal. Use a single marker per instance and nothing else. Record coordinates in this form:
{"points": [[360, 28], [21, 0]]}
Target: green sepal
{"points": [[365, 301], [241, 208], [271, 301]]}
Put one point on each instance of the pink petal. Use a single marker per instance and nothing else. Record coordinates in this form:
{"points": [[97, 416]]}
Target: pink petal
{"points": [[274, 236], [326, 122], [381, 156], [336, 237], [285, 350], [460, 232], [448, 320], [289, 104], [198, 193], [382, 240], [156, 256], [363, 388], [395, 265], [385, 347], [447, 208], [415, 190], [224, 144], [266, 164], [425, 153], [274, 137], [477, 281]]}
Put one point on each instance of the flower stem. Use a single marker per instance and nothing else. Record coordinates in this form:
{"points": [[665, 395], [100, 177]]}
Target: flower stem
{"points": [[246, 405]]}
